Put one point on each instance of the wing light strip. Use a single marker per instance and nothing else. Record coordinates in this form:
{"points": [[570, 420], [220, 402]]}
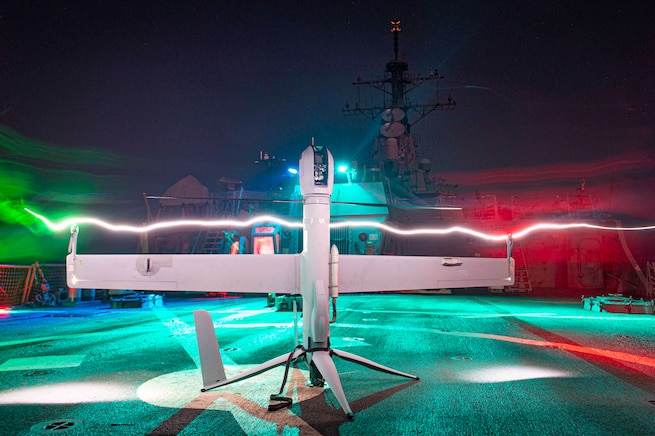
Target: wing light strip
{"points": [[67, 223]]}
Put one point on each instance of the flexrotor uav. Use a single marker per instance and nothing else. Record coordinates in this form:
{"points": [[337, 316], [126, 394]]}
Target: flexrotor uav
{"points": [[318, 273]]}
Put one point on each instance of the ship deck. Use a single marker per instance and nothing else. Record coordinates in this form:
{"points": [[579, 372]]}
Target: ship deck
{"points": [[488, 364]]}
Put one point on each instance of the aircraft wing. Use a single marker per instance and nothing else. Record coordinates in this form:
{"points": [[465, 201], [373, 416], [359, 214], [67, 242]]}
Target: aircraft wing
{"points": [[396, 273], [184, 272], [247, 273]]}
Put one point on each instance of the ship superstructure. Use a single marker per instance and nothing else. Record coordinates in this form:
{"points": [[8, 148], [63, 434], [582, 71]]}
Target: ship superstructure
{"points": [[397, 185], [581, 260], [396, 155]]}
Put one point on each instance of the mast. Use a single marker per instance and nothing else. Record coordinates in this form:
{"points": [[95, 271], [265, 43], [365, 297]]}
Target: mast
{"points": [[397, 68], [396, 85], [395, 156]]}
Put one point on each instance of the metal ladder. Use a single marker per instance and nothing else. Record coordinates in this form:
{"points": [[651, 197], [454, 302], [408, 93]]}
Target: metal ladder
{"points": [[521, 274], [650, 267], [213, 242]]}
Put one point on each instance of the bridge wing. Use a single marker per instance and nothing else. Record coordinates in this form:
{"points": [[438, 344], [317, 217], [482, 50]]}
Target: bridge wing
{"points": [[184, 272], [397, 273]]}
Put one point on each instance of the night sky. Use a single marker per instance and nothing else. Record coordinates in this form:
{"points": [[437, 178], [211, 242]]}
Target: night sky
{"points": [[146, 92]]}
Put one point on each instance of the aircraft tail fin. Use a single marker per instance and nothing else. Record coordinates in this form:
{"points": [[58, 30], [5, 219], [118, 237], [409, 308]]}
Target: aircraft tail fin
{"points": [[211, 363]]}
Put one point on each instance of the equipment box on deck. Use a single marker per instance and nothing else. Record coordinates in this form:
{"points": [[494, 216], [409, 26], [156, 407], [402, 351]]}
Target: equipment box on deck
{"points": [[617, 303], [125, 304], [284, 303]]}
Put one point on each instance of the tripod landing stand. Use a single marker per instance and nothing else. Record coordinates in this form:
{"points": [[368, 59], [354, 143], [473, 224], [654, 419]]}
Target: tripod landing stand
{"points": [[213, 373]]}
